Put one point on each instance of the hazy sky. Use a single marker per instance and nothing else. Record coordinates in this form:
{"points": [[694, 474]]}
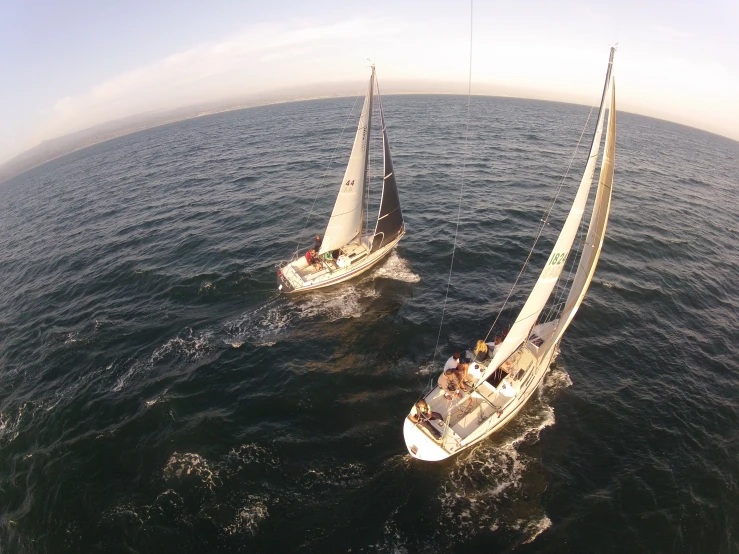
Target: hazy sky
{"points": [[69, 65]]}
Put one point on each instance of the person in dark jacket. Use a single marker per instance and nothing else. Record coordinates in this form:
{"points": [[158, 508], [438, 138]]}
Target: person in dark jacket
{"points": [[317, 243]]}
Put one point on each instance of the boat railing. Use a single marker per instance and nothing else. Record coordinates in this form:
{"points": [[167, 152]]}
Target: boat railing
{"points": [[447, 429]]}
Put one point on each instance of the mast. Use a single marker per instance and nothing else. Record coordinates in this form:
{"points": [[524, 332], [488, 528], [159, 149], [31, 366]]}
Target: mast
{"points": [[367, 145], [539, 296]]}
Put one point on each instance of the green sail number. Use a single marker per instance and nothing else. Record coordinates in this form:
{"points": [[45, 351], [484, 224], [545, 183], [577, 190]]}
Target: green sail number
{"points": [[553, 268], [558, 259]]}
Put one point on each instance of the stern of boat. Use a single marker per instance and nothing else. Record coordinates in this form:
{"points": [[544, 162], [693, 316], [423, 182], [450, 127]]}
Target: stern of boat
{"points": [[283, 283], [420, 445]]}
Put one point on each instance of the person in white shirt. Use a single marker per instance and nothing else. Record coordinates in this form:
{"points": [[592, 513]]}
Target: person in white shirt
{"points": [[460, 369], [452, 362], [495, 345]]}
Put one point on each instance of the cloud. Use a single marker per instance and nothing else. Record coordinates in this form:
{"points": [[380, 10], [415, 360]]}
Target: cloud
{"points": [[262, 58], [417, 55]]}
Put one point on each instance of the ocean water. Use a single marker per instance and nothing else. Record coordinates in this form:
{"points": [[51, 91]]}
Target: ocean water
{"points": [[156, 395]]}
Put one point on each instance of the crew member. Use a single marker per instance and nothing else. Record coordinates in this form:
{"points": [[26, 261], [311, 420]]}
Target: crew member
{"points": [[459, 368]]}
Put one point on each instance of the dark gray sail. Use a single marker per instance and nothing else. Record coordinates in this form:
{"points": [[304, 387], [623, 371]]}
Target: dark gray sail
{"points": [[390, 218]]}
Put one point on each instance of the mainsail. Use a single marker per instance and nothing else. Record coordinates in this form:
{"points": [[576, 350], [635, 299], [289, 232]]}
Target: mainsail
{"points": [[346, 219], [390, 218], [555, 264]]}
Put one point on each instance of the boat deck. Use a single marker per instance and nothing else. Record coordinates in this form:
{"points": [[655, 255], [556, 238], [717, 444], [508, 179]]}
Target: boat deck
{"points": [[354, 259], [465, 415], [301, 274]]}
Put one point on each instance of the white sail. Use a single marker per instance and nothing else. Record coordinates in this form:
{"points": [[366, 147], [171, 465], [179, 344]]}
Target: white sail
{"points": [[597, 229], [555, 264], [346, 219]]}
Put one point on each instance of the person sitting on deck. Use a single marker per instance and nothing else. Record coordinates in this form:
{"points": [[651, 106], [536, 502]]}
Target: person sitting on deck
{"points": [[481, 351], [450, 384], [459, 368], [422, 414], [312, 258]]}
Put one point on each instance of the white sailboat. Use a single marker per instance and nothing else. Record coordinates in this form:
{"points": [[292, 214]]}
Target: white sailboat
{"points": [[345, 251], [503, 384]]}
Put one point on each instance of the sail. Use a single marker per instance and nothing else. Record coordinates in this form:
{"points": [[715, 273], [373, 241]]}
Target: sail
{"points": [[555, 264], [346, 218], [390, 219], [597, 228]]}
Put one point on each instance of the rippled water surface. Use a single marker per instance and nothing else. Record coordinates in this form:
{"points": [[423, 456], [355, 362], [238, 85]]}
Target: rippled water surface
{"points": [[157, 396]]}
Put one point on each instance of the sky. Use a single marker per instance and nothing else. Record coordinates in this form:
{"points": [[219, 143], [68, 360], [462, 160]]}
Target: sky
{"points": [[67, 66]]}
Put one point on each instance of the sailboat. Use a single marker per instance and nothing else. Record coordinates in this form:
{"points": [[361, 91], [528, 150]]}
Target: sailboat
{"points": [[502, 384], [345, 250]]}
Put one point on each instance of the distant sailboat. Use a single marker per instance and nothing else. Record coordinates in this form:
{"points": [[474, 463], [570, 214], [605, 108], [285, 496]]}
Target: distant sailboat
{"points": [[504, 383], [344, 251]]}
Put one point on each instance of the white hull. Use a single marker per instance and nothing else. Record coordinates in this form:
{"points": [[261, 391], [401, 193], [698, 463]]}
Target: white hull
{"points": [[475, 416], [298, 276]]}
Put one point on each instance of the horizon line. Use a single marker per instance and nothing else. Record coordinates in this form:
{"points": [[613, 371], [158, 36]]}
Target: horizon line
{"points": [[260, 104]]}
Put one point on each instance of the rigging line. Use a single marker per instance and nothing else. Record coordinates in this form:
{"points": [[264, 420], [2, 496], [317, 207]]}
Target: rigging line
{"points": [[367, 183], [323, 179], [544, 223], [368, 173], [461, 191]]}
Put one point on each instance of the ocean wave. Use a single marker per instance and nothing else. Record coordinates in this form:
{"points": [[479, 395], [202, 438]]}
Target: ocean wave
{"points": [[265, 325], [534, 528], [392, 539], [261, 326], [206, 287], [345, 301], [396, 268], [181, 466], [247, 454], [132, 370], [493, 475], [196, 487], [340, 476], [249, 516], [150, 403], [10, 424], [191, 346]]}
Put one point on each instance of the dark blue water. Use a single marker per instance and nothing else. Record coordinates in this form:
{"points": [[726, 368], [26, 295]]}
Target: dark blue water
{"points": [[156, 396]]}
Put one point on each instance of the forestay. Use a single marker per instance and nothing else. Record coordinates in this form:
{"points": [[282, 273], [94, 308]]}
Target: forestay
{"points": [[556, 262], [346, 218]]}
